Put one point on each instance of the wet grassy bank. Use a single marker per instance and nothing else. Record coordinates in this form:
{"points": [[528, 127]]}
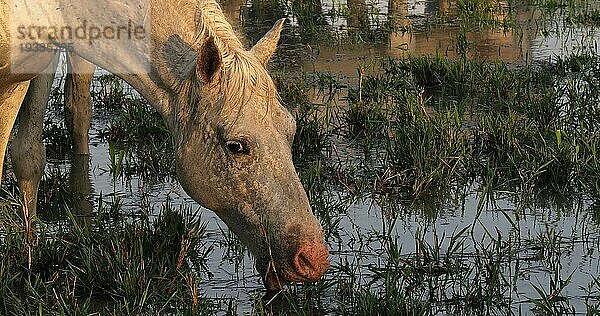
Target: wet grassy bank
{"points": [[498, 146], [416, 140], [453, 178]]}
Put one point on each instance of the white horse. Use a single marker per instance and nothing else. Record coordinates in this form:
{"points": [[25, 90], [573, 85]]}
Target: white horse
{"points": [[232, 137]]}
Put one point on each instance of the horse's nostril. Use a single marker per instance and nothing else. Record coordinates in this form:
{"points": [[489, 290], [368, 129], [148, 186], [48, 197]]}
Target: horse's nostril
{"points": [[312, 260]]}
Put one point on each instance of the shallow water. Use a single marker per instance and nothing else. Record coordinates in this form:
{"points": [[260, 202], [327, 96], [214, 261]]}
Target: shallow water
{"points": [[431, 28]]}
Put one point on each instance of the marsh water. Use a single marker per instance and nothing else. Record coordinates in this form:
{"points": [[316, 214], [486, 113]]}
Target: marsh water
{"points": [[551, 242]]}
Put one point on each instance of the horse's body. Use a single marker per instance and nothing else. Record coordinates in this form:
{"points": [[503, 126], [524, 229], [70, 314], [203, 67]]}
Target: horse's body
{"points": [[232, 137]]}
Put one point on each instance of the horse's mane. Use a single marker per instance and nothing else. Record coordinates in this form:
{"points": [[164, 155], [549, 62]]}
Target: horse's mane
{"points": [[241, 76]]}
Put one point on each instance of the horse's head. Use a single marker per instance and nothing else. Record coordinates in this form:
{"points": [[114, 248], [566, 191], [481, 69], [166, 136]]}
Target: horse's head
{"points": [[233, 143]]}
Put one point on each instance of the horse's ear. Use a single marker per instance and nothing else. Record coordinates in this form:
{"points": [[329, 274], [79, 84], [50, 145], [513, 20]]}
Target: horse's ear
{"points": [[265, 48], [209, 60], [181, 59]]}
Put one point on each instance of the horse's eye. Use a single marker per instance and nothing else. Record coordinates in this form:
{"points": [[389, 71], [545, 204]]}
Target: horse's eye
{"points": [[237, 147]]}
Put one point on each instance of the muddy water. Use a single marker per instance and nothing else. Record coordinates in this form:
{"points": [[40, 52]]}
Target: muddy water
{"points": [[334, 43]]}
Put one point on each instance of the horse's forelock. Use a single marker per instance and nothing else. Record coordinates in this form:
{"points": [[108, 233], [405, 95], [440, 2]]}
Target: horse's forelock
{"points": [[242, 77], [246, 86]]}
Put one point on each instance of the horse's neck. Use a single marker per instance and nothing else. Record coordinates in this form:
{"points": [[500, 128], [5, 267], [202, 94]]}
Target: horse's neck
{"points": [[138, 61], [156, 21], [121, 50]]}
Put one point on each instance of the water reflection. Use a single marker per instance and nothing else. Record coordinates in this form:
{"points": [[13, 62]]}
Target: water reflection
{"points": [[67, 190], [490, 43], [342, 32], [80, 187]]}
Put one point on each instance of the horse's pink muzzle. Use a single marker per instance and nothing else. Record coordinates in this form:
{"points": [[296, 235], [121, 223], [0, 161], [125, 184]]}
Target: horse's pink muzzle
{"points": [[308, 264], [311, 261]]}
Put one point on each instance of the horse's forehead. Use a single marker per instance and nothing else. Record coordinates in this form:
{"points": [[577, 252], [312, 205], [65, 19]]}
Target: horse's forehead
{"points": [[260, 108], [249, 91], [246, 82]]}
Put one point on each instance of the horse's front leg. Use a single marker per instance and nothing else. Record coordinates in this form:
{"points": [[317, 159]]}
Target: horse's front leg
{"points": [[27, 151], [78, 116], [78, 104], [10, 103]]}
